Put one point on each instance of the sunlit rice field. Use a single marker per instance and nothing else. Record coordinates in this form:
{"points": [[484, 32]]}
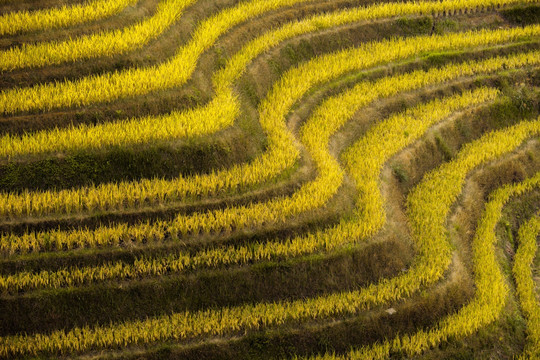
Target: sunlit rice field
{"points": [[269, 179]]}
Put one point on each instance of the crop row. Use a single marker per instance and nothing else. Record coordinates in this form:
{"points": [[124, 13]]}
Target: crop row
{"points": [[99, 44], [384, 140], [272, 114], [176, 71], [429, 205], [190, 123], [116, 42], [25, 21], [525, 285], [315, 135], [488, 302]]}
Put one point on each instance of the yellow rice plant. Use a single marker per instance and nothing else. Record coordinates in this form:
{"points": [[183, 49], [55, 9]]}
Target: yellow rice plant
{"points": [[221, 110], [488, 301], [525, 284], [175, 71], [436, 191], [273, 111], [325, 121], [100, 44], [366, 159], [103, 236], [115, 42], [26, 21]]}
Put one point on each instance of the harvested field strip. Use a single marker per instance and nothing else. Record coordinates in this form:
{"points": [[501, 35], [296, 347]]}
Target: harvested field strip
{"points": [[414, 122], [25, 21], [525, 285], [178, 69], [282, 152], [440, 187]]}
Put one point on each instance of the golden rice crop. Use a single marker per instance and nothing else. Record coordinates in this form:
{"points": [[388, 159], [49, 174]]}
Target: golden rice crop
{"points": [[384, 140], [490, 295], [221, 110], [525, 285], [329, 117], [433, 196], [428, 205], [384, 87], [25, 21], [99, 44], [115, 42], [176, 70], [272, 111]]}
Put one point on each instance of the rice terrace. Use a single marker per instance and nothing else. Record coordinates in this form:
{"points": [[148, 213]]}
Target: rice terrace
{"points": [[269, 179]]}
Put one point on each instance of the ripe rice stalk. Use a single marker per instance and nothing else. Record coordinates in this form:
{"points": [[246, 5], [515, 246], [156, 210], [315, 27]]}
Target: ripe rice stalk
{"points": [[379, 144], [282, 153], [424, 200], [525, 287], [60, 17], [177, 70]]}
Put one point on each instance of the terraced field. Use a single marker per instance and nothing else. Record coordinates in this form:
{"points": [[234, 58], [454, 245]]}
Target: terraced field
{"points": [[270, 179]]}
